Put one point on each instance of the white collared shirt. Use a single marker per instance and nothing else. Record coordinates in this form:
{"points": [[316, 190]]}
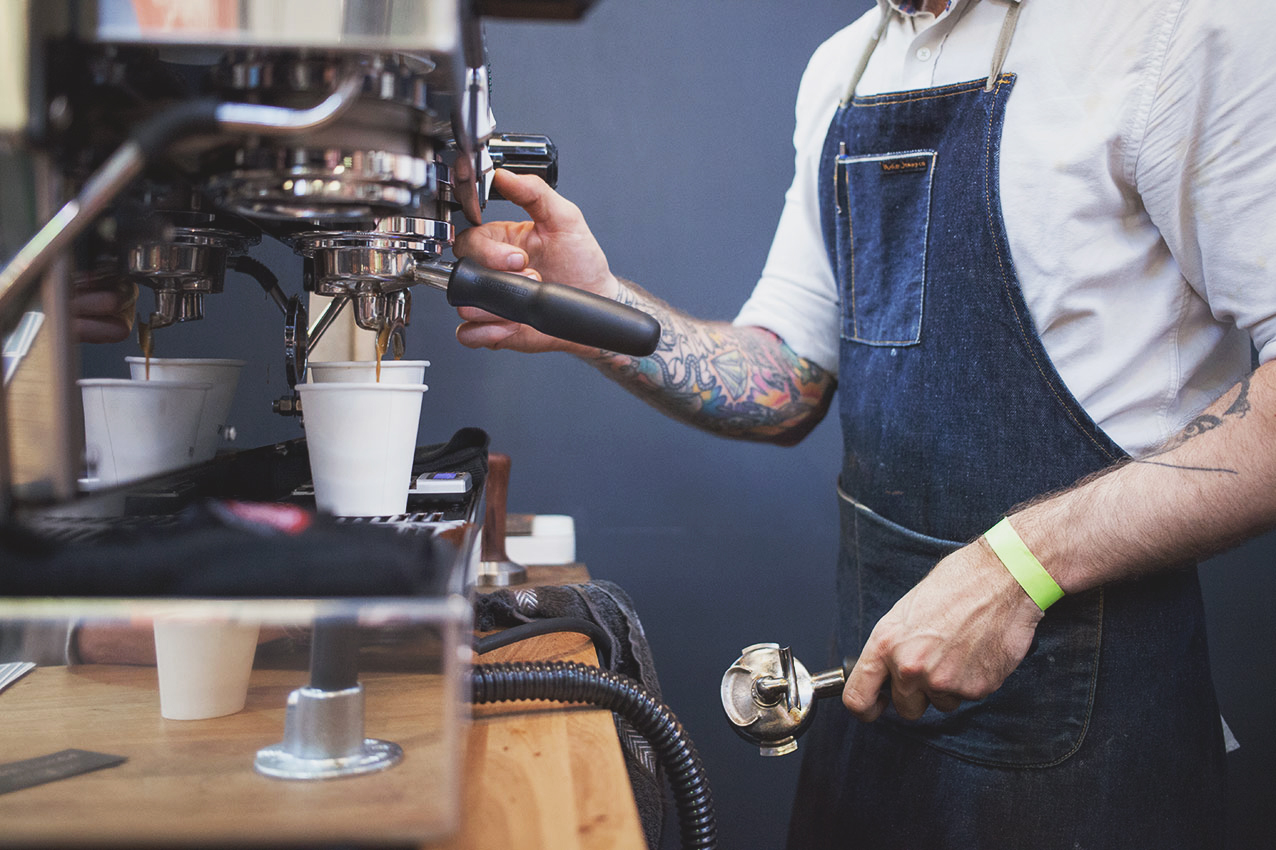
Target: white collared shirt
{"points": [[1138, 190]]}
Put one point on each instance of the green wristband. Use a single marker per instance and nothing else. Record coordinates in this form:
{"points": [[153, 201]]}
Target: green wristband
{"points": [[1023, 565]]}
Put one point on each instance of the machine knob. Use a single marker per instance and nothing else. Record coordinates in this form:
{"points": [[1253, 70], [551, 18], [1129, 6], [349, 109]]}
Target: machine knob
{"points": [[769, 696]]}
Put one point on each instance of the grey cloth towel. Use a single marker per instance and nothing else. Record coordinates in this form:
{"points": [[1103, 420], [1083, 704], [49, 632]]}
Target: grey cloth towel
{"points": [[605, 604]]}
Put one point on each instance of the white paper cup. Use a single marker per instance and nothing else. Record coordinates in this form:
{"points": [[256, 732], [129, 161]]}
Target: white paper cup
{"points": [[222, 374], [135, 429], [361, 439], [203, 665], [365, 371]]}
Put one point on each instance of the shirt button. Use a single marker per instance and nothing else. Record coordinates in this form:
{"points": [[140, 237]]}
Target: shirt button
{"points": [[923, 53]]}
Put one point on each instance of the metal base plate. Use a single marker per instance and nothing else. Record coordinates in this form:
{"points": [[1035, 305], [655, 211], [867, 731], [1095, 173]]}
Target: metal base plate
{"points": [[375, 755], [500, 574]]}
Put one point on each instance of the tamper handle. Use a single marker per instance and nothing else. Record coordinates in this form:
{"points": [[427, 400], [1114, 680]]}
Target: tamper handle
{"points": [[498, 484]]}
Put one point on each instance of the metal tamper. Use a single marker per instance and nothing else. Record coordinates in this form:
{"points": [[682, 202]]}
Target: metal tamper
{"points": [[769, 697]]}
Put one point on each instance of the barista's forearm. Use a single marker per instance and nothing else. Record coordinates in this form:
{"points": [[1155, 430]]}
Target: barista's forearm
{"points": [[735, 381], [1212, 487]]}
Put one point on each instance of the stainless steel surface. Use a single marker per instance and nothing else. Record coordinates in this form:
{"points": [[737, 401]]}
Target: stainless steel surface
{"points": [[281, 121], [433, 274], [325, 320], [769, 696], [342, 271], [172, 306], [124, 165], [40, 418], [335, 24], [296, 346], [500, 574], [323, 184], [55, 237], [383, 258], [178, 132], [374, 311], [323, 739]]}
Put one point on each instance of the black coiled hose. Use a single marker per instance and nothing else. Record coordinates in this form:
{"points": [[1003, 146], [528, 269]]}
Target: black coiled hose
{"points": [[565, 681]]}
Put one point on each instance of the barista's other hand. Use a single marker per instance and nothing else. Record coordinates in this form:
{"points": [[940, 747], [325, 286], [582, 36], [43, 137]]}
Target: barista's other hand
{"points": [[102, 308], [556, 245], [955, 636]]}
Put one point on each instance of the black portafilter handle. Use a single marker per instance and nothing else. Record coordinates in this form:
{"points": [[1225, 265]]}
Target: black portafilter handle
{"points": [[552, 308]]}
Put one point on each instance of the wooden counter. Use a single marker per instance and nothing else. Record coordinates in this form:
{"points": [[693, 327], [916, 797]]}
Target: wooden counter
{"points": [[544, 776], [540, 775], [193, 781], [535, 775]]}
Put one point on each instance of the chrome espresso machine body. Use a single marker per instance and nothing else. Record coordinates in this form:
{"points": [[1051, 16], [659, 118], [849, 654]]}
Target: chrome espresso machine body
{"points": [[158, 140]]}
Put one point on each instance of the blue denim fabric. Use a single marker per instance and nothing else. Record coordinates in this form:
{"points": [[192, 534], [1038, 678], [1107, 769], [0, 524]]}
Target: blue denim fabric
{"points": [[1108, 734], [1039, 716], [882, 263]]}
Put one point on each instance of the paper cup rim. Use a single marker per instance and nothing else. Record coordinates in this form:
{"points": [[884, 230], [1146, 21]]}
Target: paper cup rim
{"points": [[129, 382], [187, 361], [350, 386], [385, 364]]}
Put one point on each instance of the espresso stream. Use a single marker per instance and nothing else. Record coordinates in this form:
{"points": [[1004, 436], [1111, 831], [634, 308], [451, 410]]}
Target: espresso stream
{"points": [[383, 342], [146, 340]]}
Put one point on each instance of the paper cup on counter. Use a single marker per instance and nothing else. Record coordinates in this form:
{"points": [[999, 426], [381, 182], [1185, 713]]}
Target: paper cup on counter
{"points": [[222, 374], [361, 439], [365, 371], [135, 429], [204, 665]]}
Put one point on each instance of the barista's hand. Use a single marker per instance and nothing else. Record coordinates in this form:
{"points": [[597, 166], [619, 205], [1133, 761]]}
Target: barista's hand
{"points": [[955, 636], [102, 308], [555, 245]]}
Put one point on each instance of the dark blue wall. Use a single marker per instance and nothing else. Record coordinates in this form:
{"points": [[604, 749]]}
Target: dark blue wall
{"points": [[674, 120]]}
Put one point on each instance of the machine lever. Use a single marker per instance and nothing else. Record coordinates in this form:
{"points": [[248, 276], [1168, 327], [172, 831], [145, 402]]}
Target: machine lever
{"points": [[524, 153], [552, 308]]}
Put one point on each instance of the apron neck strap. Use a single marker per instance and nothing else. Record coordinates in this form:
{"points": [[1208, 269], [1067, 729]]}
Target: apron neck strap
{"points": [[887, 13], [998, 56], [1003, 41]]}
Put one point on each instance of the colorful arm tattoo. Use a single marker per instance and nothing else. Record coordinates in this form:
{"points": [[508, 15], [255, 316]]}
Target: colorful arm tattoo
{"points": [[735, 381]]}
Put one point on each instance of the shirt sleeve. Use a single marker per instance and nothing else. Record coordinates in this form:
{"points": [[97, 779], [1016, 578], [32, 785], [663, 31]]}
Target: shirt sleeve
{"points": [[796, 297], [1207, 162], [47, 643]]}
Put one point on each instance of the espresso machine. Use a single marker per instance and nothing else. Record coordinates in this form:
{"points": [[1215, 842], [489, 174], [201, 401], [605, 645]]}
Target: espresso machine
{"points": [[159, 140]]}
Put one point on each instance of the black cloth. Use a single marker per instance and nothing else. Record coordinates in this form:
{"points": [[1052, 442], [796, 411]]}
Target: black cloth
{"points": [[211, 551], [607, 605], [225, 547]]}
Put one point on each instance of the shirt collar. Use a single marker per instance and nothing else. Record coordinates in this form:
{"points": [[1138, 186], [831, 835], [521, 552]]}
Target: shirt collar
{"points": [[913, 7]]}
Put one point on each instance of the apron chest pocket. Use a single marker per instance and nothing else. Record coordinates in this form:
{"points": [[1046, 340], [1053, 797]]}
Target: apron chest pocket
{"points": [[883, 220]]}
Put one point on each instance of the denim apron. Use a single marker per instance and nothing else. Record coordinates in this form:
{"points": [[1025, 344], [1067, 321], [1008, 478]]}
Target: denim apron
{"points": [[1108, 734]]}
